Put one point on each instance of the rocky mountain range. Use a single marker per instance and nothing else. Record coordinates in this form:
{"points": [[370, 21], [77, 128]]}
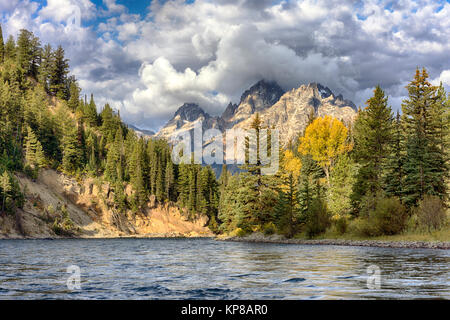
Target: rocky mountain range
{"points": [[286, 111]]}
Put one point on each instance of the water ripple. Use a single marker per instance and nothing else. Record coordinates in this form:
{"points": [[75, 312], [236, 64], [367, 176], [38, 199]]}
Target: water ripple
{"points": [[207, 269]]}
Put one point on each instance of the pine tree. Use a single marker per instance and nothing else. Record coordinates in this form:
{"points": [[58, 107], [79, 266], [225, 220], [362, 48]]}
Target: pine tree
{"points": [[34, 154], [135, 168], [424, 164], [91, 112], [439, 135], [169, 181], [393, 179], [372, 135], [2, 45], [114, 159], [310, 187], [120, 198], [257, 192], [59, 71], [45, 67], [287, 206], [28, 52], [72, 154], [74, 99], [10, 48], [6, 187]]}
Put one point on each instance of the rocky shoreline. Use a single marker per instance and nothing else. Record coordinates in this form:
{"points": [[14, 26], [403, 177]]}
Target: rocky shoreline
{"points": [[172, 235], [277, 239]]}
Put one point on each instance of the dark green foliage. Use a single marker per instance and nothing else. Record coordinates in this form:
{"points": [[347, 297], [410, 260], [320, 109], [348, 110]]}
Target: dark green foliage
{"points": [[393, 180], [10, 48], [28, 53], [431, 213], [90, 113], [372, 136], [10, 195], [309, 183], [287, 209], [45, 67], [424, 167], [317, 218], [74, 100], [58, 75], [2, 46], [382, 216]]}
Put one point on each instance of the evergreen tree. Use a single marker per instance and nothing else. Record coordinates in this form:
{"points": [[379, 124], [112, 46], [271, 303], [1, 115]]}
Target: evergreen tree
{"points": [[372, 135], [393, 180], [310, 187], [169, 181], [2, 46], [28, 52], [45, 67], [114, 159], [287, 207], [34, 154], [91, 112], [59, 71], [6, 188], [74, 99], [10, 48], [424, 166], [72, 154], [257, 193]]}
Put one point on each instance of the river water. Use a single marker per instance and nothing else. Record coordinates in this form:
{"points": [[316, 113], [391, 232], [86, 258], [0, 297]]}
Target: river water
{"points": [[208, 269]]}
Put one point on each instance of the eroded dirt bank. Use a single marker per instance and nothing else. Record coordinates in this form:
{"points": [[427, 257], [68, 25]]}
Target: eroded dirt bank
{"points": [[90, 207]]}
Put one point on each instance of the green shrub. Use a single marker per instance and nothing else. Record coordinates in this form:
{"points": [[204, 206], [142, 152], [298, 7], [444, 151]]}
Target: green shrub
{"points": [[341, 225], [30, 172], [389, 216], [317, 218], [269, 228], [63, 226], [431, 213], [238, 232], [362, 227], [380, 216], [213, 225]]}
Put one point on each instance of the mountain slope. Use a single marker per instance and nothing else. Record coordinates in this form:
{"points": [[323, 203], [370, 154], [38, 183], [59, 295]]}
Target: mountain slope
{"points": [[290, 115], [288, 112]]}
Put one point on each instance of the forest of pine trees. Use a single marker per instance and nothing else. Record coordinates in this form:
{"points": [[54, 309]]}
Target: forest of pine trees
{"points": [[73, 137], [379, 175], [384, 175]]}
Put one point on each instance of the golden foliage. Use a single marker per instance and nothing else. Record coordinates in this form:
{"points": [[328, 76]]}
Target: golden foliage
{"points": [[291, 164], [325, 139]]}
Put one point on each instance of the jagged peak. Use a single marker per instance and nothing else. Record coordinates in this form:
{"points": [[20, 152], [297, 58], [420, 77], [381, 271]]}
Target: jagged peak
{"points": [[190, 111], [229, 111], [269, 89]]}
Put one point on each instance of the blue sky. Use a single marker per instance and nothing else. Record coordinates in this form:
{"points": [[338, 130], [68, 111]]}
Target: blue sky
{"points": [[146, 58]]}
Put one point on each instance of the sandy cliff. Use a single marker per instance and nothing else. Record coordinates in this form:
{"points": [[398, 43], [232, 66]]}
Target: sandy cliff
{"points": [[90, 206]]}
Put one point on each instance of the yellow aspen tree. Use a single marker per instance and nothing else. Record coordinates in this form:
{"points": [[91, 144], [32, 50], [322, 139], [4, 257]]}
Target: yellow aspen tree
{"points": [[325, 139]]}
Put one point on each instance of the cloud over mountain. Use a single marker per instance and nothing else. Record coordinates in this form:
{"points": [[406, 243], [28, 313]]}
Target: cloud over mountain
{"points": [[149, 61]]}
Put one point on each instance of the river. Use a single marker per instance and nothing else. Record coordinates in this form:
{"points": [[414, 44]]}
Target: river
{"points": [[209, 269]]}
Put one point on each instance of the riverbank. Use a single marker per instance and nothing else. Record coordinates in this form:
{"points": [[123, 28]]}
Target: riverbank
{"points": [[260, 238], [58, 206], [170, 235]]}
